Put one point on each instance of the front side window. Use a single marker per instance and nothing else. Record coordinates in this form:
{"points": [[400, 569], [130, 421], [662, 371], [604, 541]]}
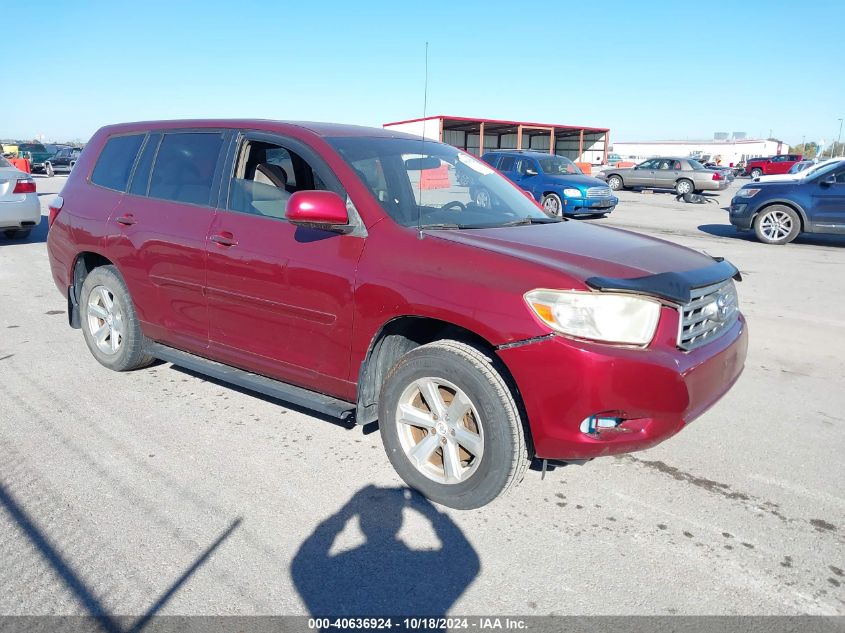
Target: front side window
{"points": [[524, 165], [184, 167], [114, 164], [558, 166], [507, 163], [648, 164], [265, 176], [435, 185]]}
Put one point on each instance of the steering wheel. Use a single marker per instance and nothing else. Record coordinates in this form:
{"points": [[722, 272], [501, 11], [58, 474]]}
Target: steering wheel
{"points": [[454, 203]]}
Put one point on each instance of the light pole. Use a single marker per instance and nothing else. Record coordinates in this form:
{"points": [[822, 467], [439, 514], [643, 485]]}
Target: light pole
{"points": [[838, 139]]}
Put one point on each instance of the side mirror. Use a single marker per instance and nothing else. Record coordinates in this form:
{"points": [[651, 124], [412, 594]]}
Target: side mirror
{"points": [[530, 172], [319, 210], [830, 180]]}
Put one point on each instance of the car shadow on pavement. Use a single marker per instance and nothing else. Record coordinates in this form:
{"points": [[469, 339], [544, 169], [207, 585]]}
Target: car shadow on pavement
{"points": [[38, 234], [64, 570], [383, 576], [810, 239]]}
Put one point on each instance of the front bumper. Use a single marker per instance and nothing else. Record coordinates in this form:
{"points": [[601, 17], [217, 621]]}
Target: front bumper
{"points": [[741, 213], [657, 390], [24, 211], [574, 206]]}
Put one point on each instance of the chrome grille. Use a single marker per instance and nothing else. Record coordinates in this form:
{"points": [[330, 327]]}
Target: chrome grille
{"points": [[599, 192], [709, 313]]}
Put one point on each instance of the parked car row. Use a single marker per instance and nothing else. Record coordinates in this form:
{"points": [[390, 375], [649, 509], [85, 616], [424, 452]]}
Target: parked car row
{"points": [[44, 158], [351, 270]]}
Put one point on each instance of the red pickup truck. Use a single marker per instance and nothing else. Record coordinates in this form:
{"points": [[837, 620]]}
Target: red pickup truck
{"points": [[766, 166]]}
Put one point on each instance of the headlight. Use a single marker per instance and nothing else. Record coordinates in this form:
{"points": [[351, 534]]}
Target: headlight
{"points": [[747, 193], [572, 193], [598, 316]]}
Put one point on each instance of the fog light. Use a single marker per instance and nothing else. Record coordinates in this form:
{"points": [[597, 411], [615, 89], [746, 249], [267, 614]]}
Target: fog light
{"points": [[601, 422]]}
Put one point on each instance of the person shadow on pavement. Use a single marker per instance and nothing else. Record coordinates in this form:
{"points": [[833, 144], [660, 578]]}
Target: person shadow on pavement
{"points": [[383, 577]]}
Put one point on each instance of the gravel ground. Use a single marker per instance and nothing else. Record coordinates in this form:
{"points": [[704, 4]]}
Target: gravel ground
{"points": [[161, 492]]}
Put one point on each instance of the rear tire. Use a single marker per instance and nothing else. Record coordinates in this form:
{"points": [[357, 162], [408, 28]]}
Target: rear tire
{"points": [[460, 455], [777, 224], [17, 234], [684, 186], [109, 322]]}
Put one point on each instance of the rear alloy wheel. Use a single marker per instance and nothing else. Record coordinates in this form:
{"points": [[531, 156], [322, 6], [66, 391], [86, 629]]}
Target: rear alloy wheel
{"points": [[109, 322], [684, 186], [615, 183], [552, 205], [450, 426], [756, 173], [777, 224]]}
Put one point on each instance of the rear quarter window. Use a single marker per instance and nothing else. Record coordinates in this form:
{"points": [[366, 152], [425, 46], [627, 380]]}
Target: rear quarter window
{"points": [[114, 165]]}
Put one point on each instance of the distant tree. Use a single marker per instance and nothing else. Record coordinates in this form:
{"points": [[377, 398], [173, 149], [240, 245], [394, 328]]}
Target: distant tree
{"points": [[808, 149]]}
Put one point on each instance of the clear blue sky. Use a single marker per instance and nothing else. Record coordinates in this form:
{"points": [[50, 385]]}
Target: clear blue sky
{"points": [[645, 69]]}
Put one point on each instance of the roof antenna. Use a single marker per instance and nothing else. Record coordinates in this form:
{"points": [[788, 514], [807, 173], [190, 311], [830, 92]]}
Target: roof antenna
{"points": [[422, 148]]}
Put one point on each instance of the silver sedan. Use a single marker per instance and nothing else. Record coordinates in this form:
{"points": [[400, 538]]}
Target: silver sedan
{"points": [[684, 175], [20, 210]]}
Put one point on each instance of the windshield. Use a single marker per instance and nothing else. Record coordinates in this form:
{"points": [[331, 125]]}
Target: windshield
{"points": [[4, 162], [799, 167], [435, 185], [820, 170], [558, 165]]}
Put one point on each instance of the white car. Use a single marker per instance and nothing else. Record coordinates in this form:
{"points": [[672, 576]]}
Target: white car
{"points": [[20, 210], [799, 175]]}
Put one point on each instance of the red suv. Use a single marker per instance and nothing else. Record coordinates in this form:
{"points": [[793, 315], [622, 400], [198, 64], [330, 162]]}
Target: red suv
{"points": [[350, 270], [770, 165]]}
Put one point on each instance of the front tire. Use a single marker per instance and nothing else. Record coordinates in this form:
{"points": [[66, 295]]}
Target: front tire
{"points": [[777, 224], [48, 169], [109, 322], [450, 426], [615, 183], [756, 173], [552, 205]]}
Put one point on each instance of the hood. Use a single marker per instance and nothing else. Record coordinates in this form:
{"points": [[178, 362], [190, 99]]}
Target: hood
{"points": [[581, 251], [577, 180]]}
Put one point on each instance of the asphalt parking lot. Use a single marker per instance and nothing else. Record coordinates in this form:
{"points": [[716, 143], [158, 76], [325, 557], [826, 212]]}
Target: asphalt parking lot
{"points": [[161, 492]]}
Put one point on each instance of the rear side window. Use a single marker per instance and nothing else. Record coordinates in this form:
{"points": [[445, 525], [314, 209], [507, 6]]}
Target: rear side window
{"points": [[115, 162], [141, 178], [507, 163], [184, 167]]}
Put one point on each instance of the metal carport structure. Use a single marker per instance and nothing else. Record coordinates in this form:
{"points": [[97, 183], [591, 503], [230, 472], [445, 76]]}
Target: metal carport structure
{"points": [[476, 136]]}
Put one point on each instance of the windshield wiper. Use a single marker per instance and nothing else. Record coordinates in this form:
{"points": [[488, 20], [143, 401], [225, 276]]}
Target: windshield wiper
{"points": [[441, 226], [530, 220]]}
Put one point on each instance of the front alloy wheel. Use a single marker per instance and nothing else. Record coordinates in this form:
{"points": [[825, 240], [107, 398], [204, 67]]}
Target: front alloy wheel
{"points": [[552, 205], [615, 183], [440, 430], [450, 425], [777, 224]]}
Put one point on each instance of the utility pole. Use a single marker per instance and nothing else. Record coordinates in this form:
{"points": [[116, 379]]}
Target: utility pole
{"points": [[838, 139]]}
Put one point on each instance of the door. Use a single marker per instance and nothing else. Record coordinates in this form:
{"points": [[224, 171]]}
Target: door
{"points": [[642, 175], [667, 171], [158, 234], [777, 165], [280, 296], [527, 176], [828, 202]]}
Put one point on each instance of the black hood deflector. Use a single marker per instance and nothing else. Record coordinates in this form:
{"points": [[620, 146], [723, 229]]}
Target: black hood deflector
{"points": [[673, 286]]}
